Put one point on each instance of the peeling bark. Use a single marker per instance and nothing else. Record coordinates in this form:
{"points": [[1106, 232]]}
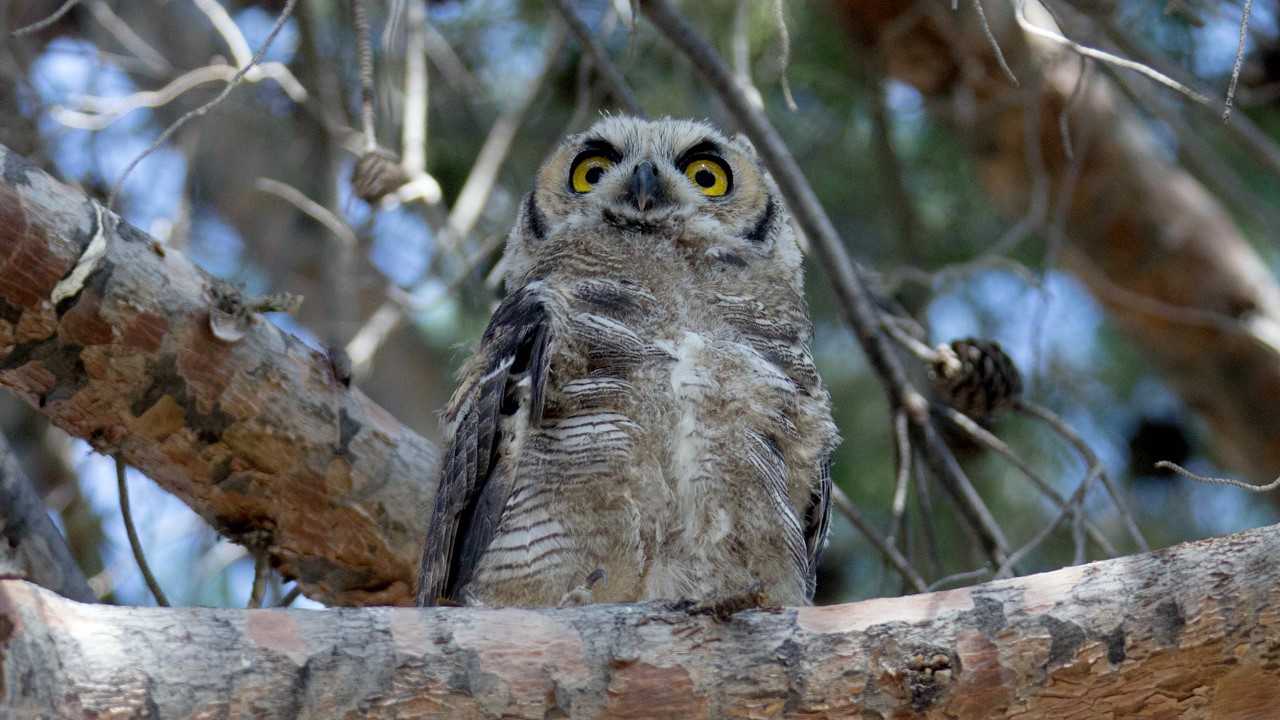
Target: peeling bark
{"points": [[1151, 243], [1188, 632], [30, 544], [107, 333]]}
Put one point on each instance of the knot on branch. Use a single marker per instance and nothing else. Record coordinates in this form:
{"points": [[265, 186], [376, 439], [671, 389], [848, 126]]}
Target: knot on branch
{"points": [[231, 313], [975, 377]]}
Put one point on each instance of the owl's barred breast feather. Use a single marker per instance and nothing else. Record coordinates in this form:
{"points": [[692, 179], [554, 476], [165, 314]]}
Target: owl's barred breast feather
{"points": [[643, 409]]}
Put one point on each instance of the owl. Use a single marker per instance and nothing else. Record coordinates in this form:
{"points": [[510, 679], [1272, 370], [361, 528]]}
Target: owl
{"points": [[642, 418]]}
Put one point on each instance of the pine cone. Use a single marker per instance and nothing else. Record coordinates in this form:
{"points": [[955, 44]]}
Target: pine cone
{"points": [[976, 377], [377, 174]]}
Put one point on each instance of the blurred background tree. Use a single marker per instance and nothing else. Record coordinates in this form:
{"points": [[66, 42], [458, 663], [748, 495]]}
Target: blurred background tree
{"points": [[902, 120]]}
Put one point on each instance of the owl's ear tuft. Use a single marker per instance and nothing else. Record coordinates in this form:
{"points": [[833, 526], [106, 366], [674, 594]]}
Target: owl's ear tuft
{"points": [[744, 142]]}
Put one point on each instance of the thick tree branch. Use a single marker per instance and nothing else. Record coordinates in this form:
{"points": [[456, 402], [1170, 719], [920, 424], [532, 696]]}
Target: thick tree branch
{"points": [[1189, 632], [1151, 243], [30, 544], [107, 332]]}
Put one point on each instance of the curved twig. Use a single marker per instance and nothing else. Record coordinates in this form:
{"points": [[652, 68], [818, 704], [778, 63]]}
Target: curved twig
{"points": [[134, 543]]}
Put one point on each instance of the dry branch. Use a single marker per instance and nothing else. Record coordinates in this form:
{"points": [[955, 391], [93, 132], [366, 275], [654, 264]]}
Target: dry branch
{"points": [[257, 435], [1188, 632]]}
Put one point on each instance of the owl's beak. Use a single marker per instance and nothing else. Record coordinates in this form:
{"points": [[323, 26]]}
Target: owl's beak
{"points": [[645, 190]]}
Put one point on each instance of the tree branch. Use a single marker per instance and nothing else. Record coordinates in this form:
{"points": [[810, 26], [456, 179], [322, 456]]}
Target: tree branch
{"points": [[30, 544], [1186, 632], [257, 435]]}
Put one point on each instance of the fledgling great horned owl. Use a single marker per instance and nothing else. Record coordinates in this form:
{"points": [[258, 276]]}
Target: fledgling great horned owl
{"points": [[643, 402]]}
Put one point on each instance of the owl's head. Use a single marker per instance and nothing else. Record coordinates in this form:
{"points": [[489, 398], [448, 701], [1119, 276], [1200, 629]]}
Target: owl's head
{"points": [[678, 182]]}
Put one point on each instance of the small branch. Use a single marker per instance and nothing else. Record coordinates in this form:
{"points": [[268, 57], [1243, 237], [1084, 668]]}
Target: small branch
{"points": [[134, 544], [1235, 68], [1053, 421], [604, 64], [1166, 465], [846, 507], [980, 435], [290, 597], [1106, 57], [995, 44], [125, 35], [261, 570], [96, 113], [204, 109], [313, 209], [901, 432], [42, 24], [784, 53]]}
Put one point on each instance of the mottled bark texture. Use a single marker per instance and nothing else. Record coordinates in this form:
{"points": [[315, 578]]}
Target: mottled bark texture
{"points": [[108, 334], [1188, 632], [1152, 244], [30, 544]]}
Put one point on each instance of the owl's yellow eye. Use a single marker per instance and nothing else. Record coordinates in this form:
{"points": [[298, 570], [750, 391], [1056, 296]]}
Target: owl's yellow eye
{"points": [[587, 171], [709, 175]]}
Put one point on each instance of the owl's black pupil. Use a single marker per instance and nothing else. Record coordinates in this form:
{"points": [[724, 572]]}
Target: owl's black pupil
{"points": [[593, 175], [704, 178]]}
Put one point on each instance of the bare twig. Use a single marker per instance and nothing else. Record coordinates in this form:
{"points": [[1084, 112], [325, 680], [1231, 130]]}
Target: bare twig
{"points": [[995, 44], [134, 544], [784, 53], [1053, 421], [980, 435], [847, 280], [203, 109], [959, 578], [1106, 57], [125, 35], [42, 24], [1259, 143], [446, 60], [95, 113], [901, 432], [600, 58], [290, 597], [313, 209], [1064, 117], [1166, 465], [846, 507], [925, 501], [260, 572], [1235, 68]]}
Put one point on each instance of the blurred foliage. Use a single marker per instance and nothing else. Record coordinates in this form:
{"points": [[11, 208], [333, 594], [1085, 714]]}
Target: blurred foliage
{"points": [[198, 194]]}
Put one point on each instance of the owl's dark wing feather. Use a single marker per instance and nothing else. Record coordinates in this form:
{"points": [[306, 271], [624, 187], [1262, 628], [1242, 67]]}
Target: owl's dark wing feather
{"points": [[508, 375], [817, 524]]}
